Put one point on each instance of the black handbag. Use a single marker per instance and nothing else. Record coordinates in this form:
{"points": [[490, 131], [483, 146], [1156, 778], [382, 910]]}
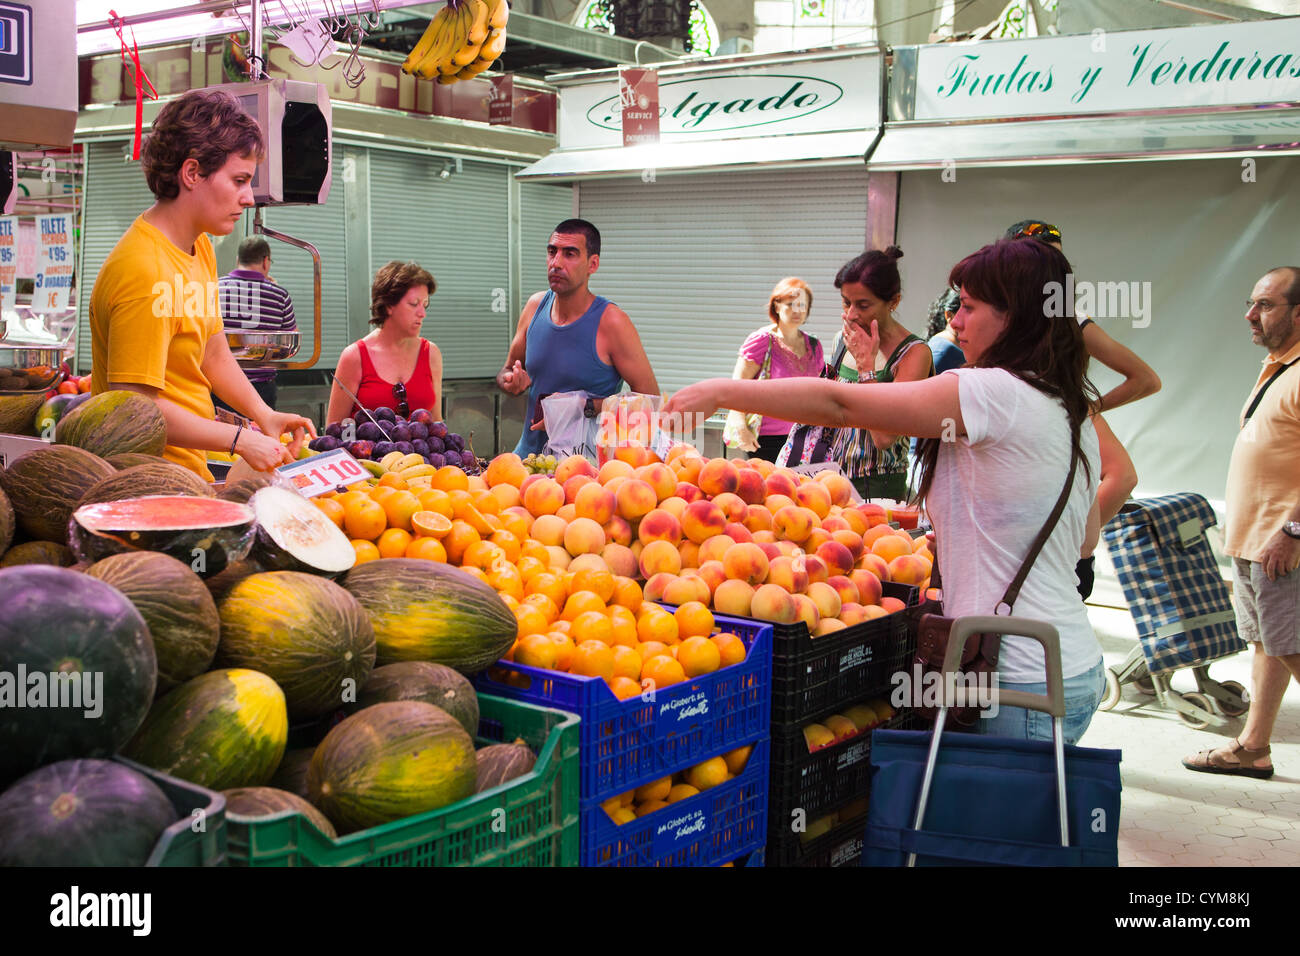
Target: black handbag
{"points": [[811, 444]]}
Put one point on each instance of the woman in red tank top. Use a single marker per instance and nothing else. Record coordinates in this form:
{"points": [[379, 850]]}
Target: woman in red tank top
{"points": [[392, 366]]}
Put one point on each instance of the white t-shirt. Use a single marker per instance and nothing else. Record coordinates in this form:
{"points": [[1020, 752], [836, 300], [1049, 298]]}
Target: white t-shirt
{"points": [[993, 490]]}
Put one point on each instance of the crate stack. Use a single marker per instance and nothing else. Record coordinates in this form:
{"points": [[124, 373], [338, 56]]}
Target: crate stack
{"points": [[817, 803], [627, 744]]}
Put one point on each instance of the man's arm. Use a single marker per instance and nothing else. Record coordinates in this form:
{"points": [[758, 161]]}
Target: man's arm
{"points": [[1281, 555], [626, 353], [513, 377]]}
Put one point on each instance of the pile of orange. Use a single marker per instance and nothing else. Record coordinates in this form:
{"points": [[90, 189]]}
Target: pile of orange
{"points": [[658, 794]]}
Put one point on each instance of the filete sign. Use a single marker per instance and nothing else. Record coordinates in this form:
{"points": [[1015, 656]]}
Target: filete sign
{"points": [[638, 98]]}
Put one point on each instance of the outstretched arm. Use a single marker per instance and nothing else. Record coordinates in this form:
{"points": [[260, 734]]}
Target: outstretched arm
{"points": [[1140, 380]]}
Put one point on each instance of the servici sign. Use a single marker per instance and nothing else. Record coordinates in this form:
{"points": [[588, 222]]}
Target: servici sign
{"points": [[768, 99]]}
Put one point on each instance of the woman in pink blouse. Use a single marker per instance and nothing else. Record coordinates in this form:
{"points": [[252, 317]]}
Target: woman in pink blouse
{"points": [[779, 350]]}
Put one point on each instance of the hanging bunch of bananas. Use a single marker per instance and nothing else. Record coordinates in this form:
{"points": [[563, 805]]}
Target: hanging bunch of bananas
{"points": [[462, 40]]}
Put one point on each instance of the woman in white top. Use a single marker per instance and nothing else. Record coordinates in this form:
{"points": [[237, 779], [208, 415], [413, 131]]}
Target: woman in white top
{"points": [[1000, 433]]}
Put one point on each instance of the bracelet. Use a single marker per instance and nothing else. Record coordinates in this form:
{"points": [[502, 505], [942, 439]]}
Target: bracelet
{"points": [[236, 441], [869, 377]]}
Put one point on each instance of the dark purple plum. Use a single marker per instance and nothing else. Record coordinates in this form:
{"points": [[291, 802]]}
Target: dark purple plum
{"points": [[361, 449], [384, 414], [334, 431], [369, 431], [419, 431], [328, 443], [468, 460], [436, 445], [437, 429], [404, 447], [437, 460], [402, 433], [422, 415], [383, 448], [420, 447]]}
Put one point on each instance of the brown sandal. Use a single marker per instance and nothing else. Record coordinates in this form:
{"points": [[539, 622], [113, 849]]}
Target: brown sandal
{"points": [[1230, 760]]}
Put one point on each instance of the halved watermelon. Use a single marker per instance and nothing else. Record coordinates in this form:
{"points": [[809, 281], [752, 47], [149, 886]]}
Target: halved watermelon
{"points": [[204, 533], [294, 535]]}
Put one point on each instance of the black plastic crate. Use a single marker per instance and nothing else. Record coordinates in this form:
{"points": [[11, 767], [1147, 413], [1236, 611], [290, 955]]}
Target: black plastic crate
{"points": [[842, 846], [818, 782], [811, 676]]}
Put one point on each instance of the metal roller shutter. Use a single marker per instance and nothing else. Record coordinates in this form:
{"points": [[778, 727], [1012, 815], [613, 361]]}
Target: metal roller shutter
{"points": [[115, 193], [458, 229], [325, 227], [541, 208], [693, 260]]}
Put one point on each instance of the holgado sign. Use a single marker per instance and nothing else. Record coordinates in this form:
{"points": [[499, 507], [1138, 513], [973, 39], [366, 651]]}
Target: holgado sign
{"points": [[1135, 70], [804, 96]]}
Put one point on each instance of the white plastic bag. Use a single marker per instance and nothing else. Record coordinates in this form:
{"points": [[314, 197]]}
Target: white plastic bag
{"points": [[572, 424]]}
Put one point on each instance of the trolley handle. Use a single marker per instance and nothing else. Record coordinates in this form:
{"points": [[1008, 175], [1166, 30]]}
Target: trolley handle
{"points": [[964, 628]]}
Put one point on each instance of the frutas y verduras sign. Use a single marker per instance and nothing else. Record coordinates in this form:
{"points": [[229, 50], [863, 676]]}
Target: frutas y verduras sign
{"points": [[813, 96], [1108, 72]]}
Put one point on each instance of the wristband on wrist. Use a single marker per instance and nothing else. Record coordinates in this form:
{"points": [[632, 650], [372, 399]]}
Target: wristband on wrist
{"points": [[239, 429]]}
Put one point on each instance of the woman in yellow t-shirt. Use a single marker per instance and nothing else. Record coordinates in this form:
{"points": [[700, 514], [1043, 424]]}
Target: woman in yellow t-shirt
{"points": [[155, 324]]}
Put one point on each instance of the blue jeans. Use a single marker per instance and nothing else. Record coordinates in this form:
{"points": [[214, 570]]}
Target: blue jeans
{"points": [[1082, 695]]}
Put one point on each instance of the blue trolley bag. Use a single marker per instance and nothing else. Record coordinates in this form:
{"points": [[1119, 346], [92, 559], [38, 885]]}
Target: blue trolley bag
{"points": [[967, 800]]}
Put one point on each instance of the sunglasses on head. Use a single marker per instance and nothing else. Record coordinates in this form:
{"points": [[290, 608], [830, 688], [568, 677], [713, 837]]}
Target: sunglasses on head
{"points": [[1041, 230], [399, 392]]}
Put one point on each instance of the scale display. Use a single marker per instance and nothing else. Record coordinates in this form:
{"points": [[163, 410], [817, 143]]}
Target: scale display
{"points": [[15, 43]]}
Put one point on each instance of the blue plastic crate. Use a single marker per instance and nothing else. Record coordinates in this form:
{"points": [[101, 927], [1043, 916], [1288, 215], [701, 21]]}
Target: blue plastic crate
{"points": [[721, 824], [626, 743]]}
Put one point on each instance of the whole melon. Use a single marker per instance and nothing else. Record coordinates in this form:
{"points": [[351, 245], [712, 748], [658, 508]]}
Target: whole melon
{"points": [[258, 802], [18, 413], [242, 491], [501, 763], [219, 585], [429, 611], [88, 662], [45, 485], [174, 602], [6, 522], [305, 632], [291, 775], [131, 459], [223, 729], [82, 813], [435, 684], [115, 423], [391, 761], [38, 552], [162, 478]]}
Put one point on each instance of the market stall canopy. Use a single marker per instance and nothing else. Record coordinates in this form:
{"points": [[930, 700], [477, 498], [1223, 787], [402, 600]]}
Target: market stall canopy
{"points": [[745, 112], [1183, 93]]}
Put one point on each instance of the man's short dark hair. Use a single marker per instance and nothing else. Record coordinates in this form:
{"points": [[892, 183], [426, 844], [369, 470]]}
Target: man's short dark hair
{"points": [[1292, 290], [253, 250], [580, 227]]}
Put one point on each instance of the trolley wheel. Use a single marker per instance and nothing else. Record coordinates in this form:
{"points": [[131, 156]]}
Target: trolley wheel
{"points": [[1201, 701], [1146, 685], [1112, 691], [1241, 705]]}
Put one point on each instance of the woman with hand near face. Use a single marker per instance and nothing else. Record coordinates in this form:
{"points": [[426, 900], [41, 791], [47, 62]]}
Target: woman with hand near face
{"points": [[1000, 435], [880, 350], [779, 350], [392, 367]]}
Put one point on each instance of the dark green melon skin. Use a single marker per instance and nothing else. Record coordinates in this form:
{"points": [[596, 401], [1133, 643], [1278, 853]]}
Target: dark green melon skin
{"points": [[7, 522], [500, 763], [435, 684], [82, 813], [132, 458], [428, 611], [177, 606], [18, 413], [56, 620], [38, 552], [267, 801], [291, 775], [115, 422], [391, 761], [221, 730], [311, 636], [161, 478], [45, 485]]}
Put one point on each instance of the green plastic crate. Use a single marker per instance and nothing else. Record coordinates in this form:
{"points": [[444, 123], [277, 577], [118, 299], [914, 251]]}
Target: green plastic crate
{"points": [[538, 828], [195, 839]]}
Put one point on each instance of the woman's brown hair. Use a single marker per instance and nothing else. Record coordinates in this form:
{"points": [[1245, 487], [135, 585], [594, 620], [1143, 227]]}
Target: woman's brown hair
{"points": [[205, 125], [1042, 344], [391, 283], [785, 289]]}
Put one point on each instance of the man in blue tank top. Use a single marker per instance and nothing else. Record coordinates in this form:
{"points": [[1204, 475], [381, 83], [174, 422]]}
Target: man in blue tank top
{"points": [[570, 340]]}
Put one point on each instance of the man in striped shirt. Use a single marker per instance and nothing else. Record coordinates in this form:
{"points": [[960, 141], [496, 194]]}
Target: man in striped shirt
{"points": [[252, 302]]}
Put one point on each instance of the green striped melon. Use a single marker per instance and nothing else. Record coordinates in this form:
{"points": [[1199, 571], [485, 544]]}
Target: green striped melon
{"points": [[257, 802], [429, 611], [132, 458], [435, 684], [391, 761], [38, 552], [177, 606], [115, 423], [305, 632], [7, 522], [18, 413], [45, 485], [221, 730]]}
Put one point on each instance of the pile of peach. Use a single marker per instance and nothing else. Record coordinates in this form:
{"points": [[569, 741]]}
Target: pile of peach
{"points": [[854, 721]]}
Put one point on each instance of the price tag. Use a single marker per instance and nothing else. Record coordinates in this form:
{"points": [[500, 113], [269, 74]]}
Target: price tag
{"points": [[324, 472]]}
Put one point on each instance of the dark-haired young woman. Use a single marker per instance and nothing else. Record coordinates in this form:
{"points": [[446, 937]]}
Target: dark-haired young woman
{"points": [[155, 322], [879, 350], [1000, 434]]}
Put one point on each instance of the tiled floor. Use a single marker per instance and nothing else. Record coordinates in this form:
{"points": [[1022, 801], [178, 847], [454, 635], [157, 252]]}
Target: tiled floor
{"points": [[1171, 816]]}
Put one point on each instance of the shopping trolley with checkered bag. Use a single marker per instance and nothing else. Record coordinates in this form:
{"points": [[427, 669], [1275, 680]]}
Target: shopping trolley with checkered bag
{"points": [[1180, 604]]}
